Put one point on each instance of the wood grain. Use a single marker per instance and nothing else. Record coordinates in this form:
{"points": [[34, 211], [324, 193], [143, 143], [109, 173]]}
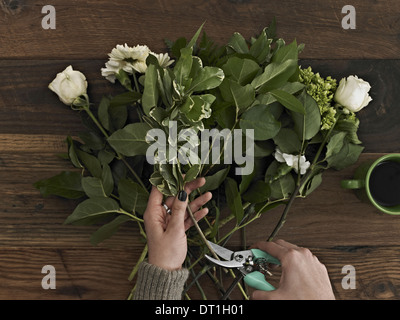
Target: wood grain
{"points": [[91, 28], [333, 223]]}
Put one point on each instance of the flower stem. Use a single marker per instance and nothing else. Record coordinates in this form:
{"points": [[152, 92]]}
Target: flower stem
{"points": [[97, 123], [282, 220], [202, 236], [121, 157]]}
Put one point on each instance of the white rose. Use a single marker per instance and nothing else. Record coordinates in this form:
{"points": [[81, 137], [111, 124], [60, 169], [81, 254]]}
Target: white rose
{"points": [[69, 85], [352, 93]]}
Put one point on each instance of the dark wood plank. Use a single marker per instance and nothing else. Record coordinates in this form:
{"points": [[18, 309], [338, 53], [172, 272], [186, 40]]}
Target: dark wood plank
{"points": [[332, 222], [80, 273], [27, 106], [89, 29]]}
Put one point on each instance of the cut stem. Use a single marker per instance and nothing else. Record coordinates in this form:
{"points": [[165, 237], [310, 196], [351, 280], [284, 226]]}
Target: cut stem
{"points": [[200, 232]]}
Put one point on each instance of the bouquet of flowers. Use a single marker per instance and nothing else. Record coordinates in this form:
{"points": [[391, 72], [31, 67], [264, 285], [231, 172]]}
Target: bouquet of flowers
{"points": [[260, 128]]}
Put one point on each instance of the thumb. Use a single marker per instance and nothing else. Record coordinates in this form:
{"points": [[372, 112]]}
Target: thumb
{"points": [[179, 209], [265, 295]]}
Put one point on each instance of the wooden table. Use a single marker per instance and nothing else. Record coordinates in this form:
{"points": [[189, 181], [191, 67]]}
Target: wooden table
{"points": [[332, 222]]}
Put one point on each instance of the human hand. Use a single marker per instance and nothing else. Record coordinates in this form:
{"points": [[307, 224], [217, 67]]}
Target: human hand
{"points": [[166, 237], [303, 276]]}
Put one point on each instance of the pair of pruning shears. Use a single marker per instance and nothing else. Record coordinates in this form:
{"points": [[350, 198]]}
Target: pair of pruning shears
{"points": [[253, 264]]}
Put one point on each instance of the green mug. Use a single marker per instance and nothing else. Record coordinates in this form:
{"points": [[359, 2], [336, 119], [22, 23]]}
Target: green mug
{"points": [[378, 179]]}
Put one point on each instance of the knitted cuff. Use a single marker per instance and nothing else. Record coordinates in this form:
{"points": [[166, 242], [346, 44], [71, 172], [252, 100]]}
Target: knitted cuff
{"points": [[155, 283]]}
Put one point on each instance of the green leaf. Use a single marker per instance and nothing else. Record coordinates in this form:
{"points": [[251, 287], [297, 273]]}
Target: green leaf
{"points": [[241, 96], [275, 75], [131, 140], [289, 52], [276, 170], [118, 116], [124, 79], [225, 114], [351, 127], [347, 156], [195, 37], [282, 187], [216, 225], [288, 100], [183, 66], [192, 173], [288, 141], [311, 185], [177, 46], [207, 78], [90, 162], [263, 148], [107, 230], [242, 71], [289, 87], [215, 180], [261, 48], [107, 180], [93, 187], [105, 156], [200, 107], [90, 210], [165, 87], [73, 157], [233, 199], [102, 113], [246, 181], [92, 140], [66, 184], [132, 196], [308, 125], [258, 192], [260, 119], [125, 98], [335, 144], [170, 179], [150, 91], [238, 43]]}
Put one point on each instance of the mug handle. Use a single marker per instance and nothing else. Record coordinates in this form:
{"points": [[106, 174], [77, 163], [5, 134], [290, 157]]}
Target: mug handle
{"points": [[352, 184]]}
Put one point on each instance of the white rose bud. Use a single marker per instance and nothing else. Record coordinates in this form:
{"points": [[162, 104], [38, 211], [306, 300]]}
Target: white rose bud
{"points": [[352, 93], [69, 85]]}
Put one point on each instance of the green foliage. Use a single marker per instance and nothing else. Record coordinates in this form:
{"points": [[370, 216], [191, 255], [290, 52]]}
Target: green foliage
{"points": [[249, 85]]}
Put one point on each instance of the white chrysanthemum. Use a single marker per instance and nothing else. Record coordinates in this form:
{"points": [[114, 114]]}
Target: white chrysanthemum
{"points": [[163, 59], [129, 59], [292, 161]]}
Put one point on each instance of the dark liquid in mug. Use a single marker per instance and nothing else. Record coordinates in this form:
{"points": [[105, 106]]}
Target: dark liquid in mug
{"points": [[384, 183]]}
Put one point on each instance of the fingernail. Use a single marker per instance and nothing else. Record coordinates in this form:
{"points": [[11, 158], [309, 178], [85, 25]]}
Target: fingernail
{"points": [[182, 195]]}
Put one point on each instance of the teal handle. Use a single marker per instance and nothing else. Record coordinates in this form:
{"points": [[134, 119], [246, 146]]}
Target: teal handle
{"points": [[257, 254], [257, 281]]}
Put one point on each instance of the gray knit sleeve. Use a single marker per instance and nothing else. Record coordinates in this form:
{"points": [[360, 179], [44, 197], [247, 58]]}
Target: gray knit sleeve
{"points": [[155, 283]]}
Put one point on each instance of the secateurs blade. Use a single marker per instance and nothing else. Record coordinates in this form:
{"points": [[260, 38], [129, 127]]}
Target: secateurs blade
{"points": [[253, 264]]}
